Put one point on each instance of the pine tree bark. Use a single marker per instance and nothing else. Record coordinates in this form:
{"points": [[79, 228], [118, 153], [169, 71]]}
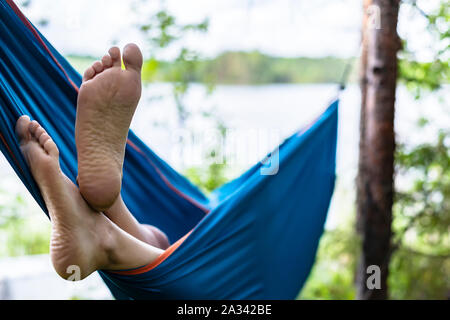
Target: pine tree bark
{"points": [[375, 187]]}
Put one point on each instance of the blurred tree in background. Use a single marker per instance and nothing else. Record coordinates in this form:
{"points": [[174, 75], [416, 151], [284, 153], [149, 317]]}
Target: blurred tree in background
{"points": [[420, 261]]}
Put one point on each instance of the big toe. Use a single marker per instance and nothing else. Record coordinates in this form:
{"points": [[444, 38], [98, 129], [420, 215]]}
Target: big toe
{"points": [[132, 57], [22, 126]]}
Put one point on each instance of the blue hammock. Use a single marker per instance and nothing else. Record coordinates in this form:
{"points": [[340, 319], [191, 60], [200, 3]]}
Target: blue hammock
{"points": [[254, 238]]}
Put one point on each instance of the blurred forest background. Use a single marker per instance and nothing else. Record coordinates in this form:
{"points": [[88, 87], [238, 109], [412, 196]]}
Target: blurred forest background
{"points": [[420, 261]]}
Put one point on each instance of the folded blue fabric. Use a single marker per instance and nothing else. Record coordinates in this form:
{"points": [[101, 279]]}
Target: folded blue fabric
{"points": [[254, 238]]}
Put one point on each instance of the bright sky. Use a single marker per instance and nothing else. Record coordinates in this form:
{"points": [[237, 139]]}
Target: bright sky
{"points": [[277, 27], [281, 27]]}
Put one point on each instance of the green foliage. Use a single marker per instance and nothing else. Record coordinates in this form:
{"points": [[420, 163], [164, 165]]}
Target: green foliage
{"points": [[237, 68], [255, 68], [163, 31], [209, 178], [27, 3], [421, 261], [333, 274], [418, 276], [428, 75], [419, 76], [20, 233], [80, 63]]}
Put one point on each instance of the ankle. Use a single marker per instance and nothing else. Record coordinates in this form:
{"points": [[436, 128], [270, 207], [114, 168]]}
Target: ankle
{"points": [[107, 243]]}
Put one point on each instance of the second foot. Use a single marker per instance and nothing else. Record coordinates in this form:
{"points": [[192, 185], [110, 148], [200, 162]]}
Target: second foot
{"points": [[82, 240]]}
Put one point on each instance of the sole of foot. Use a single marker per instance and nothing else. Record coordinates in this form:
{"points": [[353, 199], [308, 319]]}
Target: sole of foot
{"points": [[107, 101]]}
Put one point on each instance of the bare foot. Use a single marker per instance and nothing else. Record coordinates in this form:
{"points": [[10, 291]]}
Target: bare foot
{"points": [[122, 217], [154, 236], [106, 103], [81, 238]]}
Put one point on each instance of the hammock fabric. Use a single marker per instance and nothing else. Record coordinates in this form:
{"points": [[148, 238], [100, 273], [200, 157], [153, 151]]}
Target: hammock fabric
{"points": [[254, 238]]}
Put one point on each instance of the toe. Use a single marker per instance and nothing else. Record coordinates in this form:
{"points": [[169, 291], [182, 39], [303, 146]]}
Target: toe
{"points": [[34, 125], [44, 138], [114, 53], [97, 66], [51, 147], [132, 57], [107, 61], [22, 127], [39, 132], [88, 74]]}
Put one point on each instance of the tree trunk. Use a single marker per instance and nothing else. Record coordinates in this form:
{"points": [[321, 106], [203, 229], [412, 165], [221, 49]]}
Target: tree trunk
{"points": [[375, 187]]}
